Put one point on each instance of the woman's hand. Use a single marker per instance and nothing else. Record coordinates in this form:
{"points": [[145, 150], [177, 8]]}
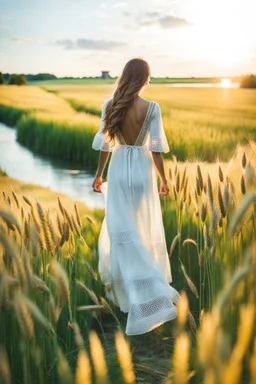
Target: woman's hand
{"points": [[96, 184], [163, 189]]}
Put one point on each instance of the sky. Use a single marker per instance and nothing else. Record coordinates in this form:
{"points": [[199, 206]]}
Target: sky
{"points": [[178, 38]]}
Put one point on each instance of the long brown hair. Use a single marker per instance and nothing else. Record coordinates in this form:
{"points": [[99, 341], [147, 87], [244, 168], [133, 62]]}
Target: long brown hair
{"points": [[132, 79]]}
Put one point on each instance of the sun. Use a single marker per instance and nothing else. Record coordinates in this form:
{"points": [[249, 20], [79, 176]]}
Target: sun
{"points": [[219, 39], [225, 82]]}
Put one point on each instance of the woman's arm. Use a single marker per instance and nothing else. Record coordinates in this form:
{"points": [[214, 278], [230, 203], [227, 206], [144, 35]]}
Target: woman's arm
{"points": [[158, 160], [103, 158]]}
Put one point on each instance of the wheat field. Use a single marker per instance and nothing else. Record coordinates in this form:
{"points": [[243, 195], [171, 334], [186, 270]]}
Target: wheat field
{"points": [[56, 325], [59, 121]]}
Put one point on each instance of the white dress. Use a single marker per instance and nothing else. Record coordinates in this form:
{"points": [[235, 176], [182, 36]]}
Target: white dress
{"points": [[133, 259]]}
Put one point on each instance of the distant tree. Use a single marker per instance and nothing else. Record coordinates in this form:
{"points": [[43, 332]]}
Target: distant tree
{"points": [[6, 77], [17, 79], [1, 78], [248, 81], [40, 76]]}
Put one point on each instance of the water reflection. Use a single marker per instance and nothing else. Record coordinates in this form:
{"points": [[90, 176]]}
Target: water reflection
{"points": [[226, 84], [21, 164]]}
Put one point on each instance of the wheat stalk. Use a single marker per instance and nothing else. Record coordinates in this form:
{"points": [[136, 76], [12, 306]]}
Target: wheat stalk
{"points": [[83, 368], [181, 359], [221, 203], [189, 281], [69, 220], [16, 199], [174, 242], [182, 309], [210, 191], [88, 291], [240, 212], [226, 198], [243, 188], [192, 322], [244, 160], [64, 371], [59, 224], [53, 311], [99, 363], [203, 212], [200, 177], [37, 224], [124, 358], [79, 221], [177, 185], [221, 176], [61, 207], [198, 188], [5, 374], [10, 220], [24, 317], [27, 201], [75, 226], [61, 280]]}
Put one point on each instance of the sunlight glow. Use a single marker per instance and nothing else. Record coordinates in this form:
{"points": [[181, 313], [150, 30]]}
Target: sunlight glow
{"points": [[225, 83]]}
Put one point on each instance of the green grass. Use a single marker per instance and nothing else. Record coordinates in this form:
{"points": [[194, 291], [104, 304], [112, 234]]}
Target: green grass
{"points": [[72, 82], [2, 172], [83, 108], [11, 115], [57, 140]]}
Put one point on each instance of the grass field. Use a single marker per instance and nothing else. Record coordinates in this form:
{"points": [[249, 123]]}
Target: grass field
{"points": [[48, 269], [200, 123]]}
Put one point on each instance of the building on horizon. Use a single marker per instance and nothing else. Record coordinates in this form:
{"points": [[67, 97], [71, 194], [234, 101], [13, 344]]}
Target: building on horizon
{"points": [[105, 75]]}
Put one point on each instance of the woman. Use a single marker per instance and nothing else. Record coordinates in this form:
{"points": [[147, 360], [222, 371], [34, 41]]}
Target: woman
{"points": [[133, 259]]}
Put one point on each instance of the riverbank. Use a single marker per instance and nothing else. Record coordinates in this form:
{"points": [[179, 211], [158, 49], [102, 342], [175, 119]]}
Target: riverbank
{"points": [[47, 197], [60, 176]]}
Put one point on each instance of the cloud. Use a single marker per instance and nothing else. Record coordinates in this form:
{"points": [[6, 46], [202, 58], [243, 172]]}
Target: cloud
{"points": [[4, 27], [152, 14], [21, 40], [126, 14], [89, 44], [131, 27], [167, 22]]}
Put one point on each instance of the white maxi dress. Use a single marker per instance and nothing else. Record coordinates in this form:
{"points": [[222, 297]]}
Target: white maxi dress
{"points": [[133, 259]]}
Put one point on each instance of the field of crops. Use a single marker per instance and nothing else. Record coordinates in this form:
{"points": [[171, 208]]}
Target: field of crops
{"points": [[56, 326], [55, 323], [59, 121]]}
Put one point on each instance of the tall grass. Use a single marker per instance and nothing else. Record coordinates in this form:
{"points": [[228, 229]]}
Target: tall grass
{"points": [[11, 115], [2, 172], [59, 140], [52, 299], [49, 126], [200, 123]]}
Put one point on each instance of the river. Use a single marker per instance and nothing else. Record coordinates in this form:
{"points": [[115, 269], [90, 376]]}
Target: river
{"points": [[21, 164]]}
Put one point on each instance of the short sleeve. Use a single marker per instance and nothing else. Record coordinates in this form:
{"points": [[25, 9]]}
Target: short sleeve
{"points": [[101, 141], [157, 138]]}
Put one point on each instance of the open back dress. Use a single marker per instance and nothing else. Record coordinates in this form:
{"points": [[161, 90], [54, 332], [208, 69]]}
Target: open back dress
{"points": [[133, 259]]}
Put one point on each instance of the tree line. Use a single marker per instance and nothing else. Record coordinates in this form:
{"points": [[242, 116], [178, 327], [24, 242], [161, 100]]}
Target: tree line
{"points": [[247, 81]]}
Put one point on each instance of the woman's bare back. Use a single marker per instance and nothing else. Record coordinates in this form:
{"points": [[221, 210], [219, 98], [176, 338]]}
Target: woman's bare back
{"points": [[133, 120]]}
